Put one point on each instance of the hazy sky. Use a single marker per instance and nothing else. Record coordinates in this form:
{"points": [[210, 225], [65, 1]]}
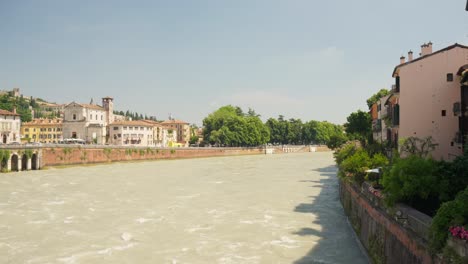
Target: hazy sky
{"points": [[310, 59]]}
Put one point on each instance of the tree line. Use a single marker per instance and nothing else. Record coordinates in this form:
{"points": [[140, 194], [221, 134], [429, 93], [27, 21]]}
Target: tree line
{"points": [[230, 126]]}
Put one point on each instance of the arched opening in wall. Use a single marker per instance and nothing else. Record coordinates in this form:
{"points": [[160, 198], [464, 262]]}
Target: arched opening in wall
{"points": [[14, 163], [24, 162], [4, 139], [34, 161]]}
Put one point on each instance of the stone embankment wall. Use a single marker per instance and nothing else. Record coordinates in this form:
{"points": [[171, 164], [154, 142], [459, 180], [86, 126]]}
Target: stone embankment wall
{"points": [[399, 236], [88, 155]]}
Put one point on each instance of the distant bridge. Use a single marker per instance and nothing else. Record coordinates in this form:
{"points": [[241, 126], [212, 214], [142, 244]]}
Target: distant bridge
{"points": [[20, 158]]}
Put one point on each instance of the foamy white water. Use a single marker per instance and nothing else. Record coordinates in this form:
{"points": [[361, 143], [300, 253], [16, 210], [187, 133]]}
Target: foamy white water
{"points": [[248, 209]]}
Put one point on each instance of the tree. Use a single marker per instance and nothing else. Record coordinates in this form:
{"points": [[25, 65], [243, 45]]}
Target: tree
{"points": [[375, 97], [359, 126], [229, 126]]}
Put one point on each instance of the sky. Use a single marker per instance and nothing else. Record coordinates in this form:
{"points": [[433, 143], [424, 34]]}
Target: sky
{"points": [[313, 60]]}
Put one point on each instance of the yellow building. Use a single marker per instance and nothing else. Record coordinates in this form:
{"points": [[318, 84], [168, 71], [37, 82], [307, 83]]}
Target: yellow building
{"points": [[42, 130]]}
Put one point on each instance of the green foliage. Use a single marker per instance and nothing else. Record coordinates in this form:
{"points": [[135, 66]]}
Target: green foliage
{"points": [[293, 131], [28, 153], [66, 151], [173, 151], [409, 180], [453, 213], [193, 140], [355, 166], [228, 126], [336, 141], [359, 126], [142, 152], [107, 152], [344, 152], [375, 97], [418, 147], [8, 102]]}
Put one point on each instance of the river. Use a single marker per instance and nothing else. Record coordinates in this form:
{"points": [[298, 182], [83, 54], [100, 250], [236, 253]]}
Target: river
{"points": [[243, 209]]}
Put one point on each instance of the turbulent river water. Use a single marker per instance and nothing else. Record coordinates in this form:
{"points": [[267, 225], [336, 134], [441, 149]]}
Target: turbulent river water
{"points": [[244, 209]]}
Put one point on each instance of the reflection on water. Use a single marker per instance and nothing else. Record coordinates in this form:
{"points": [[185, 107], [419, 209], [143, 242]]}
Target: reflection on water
{"points": [[249, 209]]}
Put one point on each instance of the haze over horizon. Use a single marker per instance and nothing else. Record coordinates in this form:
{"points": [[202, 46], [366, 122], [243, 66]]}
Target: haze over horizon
{"points": [[300, 59]]}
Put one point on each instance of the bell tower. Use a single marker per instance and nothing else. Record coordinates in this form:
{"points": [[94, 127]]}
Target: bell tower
{"points": [[108, 104]]}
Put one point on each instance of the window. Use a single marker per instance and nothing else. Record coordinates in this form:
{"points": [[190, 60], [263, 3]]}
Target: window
{"points": [[74, 116], [449, 77], [116, 128], [444, 112], [101, 117], [96, 117], [50, 129], [26, 130], [397, 84]]}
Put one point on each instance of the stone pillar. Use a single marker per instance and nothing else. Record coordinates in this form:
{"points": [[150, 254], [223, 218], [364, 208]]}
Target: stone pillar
{"points": [[20, 164], [28, 164], [9, 164]]}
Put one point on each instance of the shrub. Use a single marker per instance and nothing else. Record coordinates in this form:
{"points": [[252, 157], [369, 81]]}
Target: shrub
{"points": [[344, 152], [453, 213], [452, 177], [356, 165], [411, 180]]}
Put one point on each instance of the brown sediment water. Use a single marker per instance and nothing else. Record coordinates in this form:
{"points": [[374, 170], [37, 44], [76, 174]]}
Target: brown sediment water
{"points": [[242, 209]]}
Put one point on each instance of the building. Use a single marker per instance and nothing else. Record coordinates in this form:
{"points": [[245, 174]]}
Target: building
{"points": [[88, 121], [51, 109], [182, 128], [136, 133], [428, 100], [380, 121], [9, 126], [42, 130], [163, 136]]}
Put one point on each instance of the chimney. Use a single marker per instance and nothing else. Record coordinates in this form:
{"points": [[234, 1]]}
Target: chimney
{"points": [[429, 47], [410, 55], [402, 59], [423, 49]]}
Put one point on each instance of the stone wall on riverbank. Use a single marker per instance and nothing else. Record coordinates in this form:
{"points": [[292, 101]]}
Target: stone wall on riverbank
{"points": [[388, 238], [77, 154], [88, 155]]}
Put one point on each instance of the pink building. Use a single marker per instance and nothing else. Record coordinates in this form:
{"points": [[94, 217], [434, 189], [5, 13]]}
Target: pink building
{"points": [[428, 99]]}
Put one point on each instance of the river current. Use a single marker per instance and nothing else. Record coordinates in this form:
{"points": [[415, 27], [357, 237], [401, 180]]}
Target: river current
{"points": [[243, 209]]}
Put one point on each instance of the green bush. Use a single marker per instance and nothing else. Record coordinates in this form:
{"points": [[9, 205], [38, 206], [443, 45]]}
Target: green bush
{"points": [[344, 152], [410, 180], [453, 213], [356, 165], [452, 177]]}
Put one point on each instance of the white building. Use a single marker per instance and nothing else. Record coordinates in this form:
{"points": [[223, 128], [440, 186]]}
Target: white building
{"points": [[88, 121], [9, 126], [135, 133]]}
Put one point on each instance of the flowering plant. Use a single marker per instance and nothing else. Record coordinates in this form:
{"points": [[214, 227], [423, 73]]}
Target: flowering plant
{"points": [[459, 232]]}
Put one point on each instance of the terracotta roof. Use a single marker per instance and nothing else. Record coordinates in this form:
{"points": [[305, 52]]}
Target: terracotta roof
{"points": [[429, 55], [44, 121], [131, 123], [90, 106], [5, 112], [174, 122]]}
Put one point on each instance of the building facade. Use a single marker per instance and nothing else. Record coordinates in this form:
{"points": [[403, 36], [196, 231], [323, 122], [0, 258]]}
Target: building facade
{"points": [[9, 126], [426, 99], [43, 130], [182, 129], [88, 121], [136, 133], [379, 120]]}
